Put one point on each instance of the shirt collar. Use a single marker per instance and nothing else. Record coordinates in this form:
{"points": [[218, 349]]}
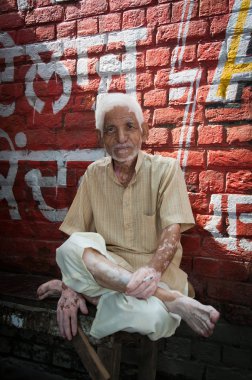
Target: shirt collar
{"points": [[139, 162]]}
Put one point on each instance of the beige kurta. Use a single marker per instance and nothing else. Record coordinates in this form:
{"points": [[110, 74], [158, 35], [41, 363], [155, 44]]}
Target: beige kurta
{"points": [[131, 219]]}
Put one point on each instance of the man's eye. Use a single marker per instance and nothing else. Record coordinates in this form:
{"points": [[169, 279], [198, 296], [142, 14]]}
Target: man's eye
{"points": [[109, 130], [130, 126]]}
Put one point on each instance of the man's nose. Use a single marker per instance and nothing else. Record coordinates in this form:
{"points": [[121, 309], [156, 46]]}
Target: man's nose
{"points": [[122, 136]]}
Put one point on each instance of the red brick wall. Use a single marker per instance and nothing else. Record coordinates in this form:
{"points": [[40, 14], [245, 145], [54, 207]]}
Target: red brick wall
{"points": [[190, 65]]}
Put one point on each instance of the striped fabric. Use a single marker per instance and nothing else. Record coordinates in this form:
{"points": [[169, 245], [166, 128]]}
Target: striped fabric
{"points": [[131, 218]]}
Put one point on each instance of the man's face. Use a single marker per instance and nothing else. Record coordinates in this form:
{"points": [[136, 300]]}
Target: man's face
{"points": [[122, 135]]}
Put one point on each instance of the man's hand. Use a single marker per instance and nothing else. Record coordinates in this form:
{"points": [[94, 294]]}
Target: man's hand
{"points": [[67, 311], [143, 283]]}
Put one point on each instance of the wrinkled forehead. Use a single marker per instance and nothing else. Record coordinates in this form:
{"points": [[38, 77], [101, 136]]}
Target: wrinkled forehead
{"points": [[119, 114]]}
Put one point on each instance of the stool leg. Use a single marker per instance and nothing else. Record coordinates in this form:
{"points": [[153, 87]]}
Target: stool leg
{"points": [[111, 356], [147, 359]]}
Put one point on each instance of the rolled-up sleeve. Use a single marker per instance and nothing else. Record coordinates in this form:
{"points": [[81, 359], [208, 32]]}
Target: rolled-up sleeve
{"points": [[173, 199], [80, 216]]}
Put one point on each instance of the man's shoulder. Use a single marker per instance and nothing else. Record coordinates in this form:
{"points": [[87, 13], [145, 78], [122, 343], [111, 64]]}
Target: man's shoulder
{"points": [[100, 163], [157, 160]]}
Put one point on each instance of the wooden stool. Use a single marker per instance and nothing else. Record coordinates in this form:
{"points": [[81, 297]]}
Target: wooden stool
{"points": [[109, 352]]}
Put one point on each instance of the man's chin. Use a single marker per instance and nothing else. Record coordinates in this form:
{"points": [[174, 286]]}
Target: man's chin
{"points": [[124, 158]]}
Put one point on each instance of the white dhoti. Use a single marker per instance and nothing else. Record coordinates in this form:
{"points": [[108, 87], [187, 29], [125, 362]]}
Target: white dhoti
{"points": [[115, 311]]}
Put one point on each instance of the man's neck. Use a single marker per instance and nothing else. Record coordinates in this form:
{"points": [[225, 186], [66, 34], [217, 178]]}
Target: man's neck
{"points": [[124, 171]]}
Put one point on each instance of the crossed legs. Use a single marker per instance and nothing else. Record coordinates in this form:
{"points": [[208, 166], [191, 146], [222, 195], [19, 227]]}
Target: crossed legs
{"points": [[201, 318]]}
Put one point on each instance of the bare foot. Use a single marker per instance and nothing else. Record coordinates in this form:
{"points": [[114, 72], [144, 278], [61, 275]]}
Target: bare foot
{"points": [[199, 317], [51, 288]]}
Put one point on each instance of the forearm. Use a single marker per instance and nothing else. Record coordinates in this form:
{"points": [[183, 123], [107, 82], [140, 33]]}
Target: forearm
{"points": [[167, 247]]}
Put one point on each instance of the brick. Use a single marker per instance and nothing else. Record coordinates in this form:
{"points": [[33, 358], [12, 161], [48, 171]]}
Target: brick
{"points": [[234, 158], [158, 57], [7, 5], [235, 270], [175, 367], [52, 87], [83, 103], [199, 202], [47, 14], [208, 266], [46, 139], [78, 139], [178, 347], [25, 36], [11, 20], [66, 29], [144, 81], [206, 352], [209, 51], [158, 136], [226, 373], [194, 158], [11, 90], [116, 5], [178, 8], [14, 123], [86, 8], [202, 93], [155, 98], [45, 33], [133, 18], [233, 291], [191, 244], [177, 134], [211, 181], [43, 3], [220, 115], [210, 134], [47, 120], [41, 354], [62, 358], [219, 25], [174, 115], [212, 7], [239, 134], [109, 22], [149, 40], [210, 246], [239, 182], [192, 181], [5, 345], [87, 26], [162, 78], [236, 357], [167, 33], [70, 65], [79, 119], [158, 15], [189, 53]]}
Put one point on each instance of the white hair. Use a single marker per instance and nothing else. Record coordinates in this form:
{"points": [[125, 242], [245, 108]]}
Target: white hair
{"points": [[106, 102]]}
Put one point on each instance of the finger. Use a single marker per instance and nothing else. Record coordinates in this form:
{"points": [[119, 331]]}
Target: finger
{"points": [[67, 324], [73, 320], [83, 306], [141, 288], [42, 296], [60, 321], [147, 292], [135, 281]]}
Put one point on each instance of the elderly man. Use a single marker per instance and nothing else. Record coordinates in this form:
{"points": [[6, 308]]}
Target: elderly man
{"points": [[124, 250]]}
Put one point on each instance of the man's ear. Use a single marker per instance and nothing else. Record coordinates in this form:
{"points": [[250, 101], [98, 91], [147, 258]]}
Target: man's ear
{"points": [[99, 138], [145, 131]]}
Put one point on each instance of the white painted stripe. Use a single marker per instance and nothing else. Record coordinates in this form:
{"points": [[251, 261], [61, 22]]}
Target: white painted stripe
{"points": [[52, 155]]}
